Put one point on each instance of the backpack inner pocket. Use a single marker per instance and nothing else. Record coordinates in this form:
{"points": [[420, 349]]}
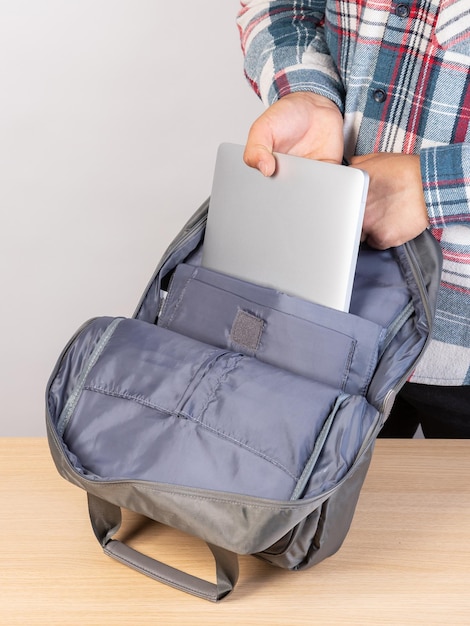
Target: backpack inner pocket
{"points": [[157, 406]]}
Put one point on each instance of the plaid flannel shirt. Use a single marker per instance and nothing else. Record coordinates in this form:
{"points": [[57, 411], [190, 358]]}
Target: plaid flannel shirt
{"points": [[400, 72]]}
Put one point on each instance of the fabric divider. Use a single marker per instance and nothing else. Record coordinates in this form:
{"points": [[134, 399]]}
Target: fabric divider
{"points": [[302, 337]]}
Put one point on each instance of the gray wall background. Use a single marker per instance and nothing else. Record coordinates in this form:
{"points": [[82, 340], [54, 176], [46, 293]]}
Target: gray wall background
{"points": [[111, 112]]}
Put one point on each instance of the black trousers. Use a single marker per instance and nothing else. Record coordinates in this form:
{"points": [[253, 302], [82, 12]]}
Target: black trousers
{"points": [[442, 412]]}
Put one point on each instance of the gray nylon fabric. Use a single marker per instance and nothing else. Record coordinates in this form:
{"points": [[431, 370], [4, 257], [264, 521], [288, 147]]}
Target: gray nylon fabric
{"points": [[178, 399], [106, 519], [296, 334], [211, 412]]}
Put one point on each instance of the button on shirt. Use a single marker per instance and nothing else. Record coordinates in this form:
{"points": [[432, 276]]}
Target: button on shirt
{"points": [[400, 74], [379, 95], [402, 10]]}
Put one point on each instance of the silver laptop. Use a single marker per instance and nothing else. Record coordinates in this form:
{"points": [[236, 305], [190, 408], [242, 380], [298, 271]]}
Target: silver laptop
{"points": [[297, 232]]}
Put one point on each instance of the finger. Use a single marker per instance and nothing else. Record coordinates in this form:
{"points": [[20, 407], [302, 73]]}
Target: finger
{"points": [[260, 157], [259, 147]]}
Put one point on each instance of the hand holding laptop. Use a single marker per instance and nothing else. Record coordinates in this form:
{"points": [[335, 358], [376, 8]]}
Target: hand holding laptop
{"points": [[297, 231], [303, 124]]}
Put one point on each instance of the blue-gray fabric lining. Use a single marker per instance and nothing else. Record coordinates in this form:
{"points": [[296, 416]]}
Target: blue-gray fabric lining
{"points": [[322, 344], [138, 396]]}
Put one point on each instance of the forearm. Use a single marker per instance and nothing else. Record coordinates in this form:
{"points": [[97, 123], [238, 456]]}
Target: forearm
{"points": [[285, 50], [445, 172]]}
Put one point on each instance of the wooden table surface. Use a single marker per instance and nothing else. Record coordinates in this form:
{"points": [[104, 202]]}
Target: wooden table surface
{"points": [[406, 559]]}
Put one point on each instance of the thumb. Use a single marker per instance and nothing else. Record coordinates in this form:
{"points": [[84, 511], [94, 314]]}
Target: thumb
{"points": [[261, 158], [259, 148]]}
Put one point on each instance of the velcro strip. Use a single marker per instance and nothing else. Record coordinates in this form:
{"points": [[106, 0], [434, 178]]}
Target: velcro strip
{"points": [[247, 330]]}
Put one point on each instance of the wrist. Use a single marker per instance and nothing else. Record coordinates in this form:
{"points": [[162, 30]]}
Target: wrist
{"points": [[311, 97]]}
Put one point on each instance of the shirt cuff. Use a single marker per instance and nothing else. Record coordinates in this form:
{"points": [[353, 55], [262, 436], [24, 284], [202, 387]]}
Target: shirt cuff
{"points": [[292, 80]]}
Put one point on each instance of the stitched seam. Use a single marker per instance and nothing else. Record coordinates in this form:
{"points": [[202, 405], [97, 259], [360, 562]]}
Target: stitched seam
{"points": [[194, 384], [286, 505], [318, 448], [197, 278], [178, 302], [241, 444], [348, 363], [230, 365], [127, 396], [229, 368], [372, 365], [71, 404], [191, 418]]}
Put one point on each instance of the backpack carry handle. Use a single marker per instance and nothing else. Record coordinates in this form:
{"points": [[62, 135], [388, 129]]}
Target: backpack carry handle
{"points": [[106, 520]]}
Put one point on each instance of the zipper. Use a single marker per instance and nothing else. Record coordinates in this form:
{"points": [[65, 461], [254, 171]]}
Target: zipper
{"points": [[395, 327], [188, 231], [193, 227], [72, 401], [414, 266], [418, 280], [317, 448]]}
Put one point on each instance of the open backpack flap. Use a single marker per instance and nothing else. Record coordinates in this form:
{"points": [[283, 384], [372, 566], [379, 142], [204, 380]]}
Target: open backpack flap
{"points": [[236, 413]]}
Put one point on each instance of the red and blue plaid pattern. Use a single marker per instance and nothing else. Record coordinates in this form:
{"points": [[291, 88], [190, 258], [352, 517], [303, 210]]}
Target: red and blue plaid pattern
{"points": [[400, 72]]}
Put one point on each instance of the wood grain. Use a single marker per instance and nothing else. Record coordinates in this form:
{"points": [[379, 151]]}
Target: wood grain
{"points": [[406, 559]]}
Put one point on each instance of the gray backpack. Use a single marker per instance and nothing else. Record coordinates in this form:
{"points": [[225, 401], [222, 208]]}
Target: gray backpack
{"points": [[234, 412]]}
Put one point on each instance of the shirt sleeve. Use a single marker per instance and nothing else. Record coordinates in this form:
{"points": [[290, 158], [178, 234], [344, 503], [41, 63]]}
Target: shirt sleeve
{"points": [[285, 49], [445, 171]]}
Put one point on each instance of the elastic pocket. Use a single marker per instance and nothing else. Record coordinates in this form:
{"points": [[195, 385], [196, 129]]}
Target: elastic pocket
{"points": [[329, 346], [157, 406]]}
